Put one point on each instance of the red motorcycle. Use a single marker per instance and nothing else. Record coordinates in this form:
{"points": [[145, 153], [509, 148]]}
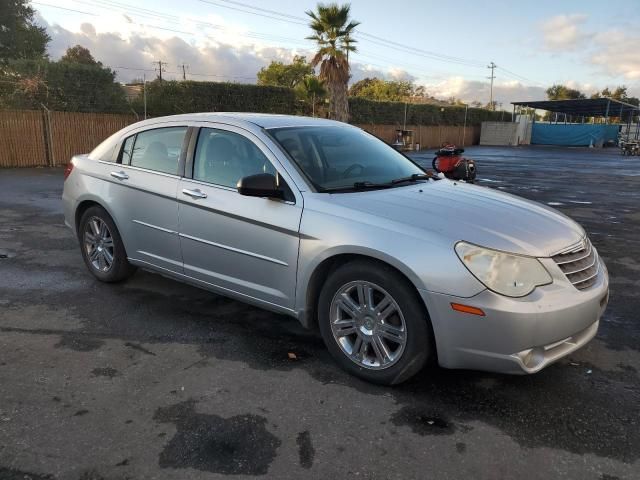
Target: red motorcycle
{"points": [[449, 160]]}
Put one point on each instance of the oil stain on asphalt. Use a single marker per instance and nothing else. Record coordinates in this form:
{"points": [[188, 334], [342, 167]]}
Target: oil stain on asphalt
{"points": [[306, 452], [422, 422], [105, 372], [79, 343], [239, 445]]}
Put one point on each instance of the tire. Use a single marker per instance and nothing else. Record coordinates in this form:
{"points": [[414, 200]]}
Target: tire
{"points": [[396, 360], [101, 246]]}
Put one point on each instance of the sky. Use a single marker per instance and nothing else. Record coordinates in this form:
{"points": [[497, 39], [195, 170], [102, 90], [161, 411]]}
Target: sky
{"points": [[445, 46]]}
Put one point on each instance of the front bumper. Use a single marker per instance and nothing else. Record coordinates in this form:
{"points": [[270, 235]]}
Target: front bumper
{"points": [[517, 335]]}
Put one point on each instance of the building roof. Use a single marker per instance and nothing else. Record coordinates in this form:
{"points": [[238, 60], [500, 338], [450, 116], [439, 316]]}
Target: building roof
{"points": [[585, 107]]}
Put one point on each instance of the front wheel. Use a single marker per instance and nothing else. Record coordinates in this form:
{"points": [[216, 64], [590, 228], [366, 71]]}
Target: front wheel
{"points": [[373, 323], [102, 248]]}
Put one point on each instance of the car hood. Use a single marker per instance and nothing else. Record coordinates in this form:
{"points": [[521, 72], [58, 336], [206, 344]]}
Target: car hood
{"points": [[459, 211]]}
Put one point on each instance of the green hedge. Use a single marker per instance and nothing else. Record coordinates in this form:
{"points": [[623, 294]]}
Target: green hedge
{"points": [[75, 87], [171, 97], [364, 111], [62, 86]]}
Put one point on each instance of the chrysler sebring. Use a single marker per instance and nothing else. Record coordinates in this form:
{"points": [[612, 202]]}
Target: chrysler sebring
{"points": [[324, 222]]}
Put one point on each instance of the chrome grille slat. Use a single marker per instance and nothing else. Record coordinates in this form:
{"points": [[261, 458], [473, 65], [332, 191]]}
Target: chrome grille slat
{"points": [[588, 282], [594, 275], [564, 258], [581, 266]]}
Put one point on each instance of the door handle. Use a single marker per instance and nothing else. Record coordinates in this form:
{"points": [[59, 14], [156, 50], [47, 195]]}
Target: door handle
{"points": [[194, 193], [119, 175]]}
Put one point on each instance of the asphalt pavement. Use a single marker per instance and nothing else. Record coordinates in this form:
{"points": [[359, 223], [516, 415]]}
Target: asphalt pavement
{"points": [[153, 379]]}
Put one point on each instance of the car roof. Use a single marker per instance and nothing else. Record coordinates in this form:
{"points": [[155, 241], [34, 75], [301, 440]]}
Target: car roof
{"points": [[263, 120]]}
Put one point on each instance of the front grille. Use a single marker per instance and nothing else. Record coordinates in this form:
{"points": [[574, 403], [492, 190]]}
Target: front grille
{"points": [[580, 265]]}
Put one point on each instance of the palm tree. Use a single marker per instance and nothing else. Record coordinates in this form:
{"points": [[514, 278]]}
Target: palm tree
{"points": [[312, 90], [333, 33]]}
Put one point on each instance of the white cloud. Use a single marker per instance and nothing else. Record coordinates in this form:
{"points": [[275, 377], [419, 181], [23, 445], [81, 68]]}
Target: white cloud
{"points": [[474, 90], [617, 53], [132, 50], [132, 54], [217, 61], [564, 32]]}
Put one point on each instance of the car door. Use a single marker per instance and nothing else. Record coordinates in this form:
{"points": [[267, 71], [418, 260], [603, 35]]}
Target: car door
{"points": [[145, 204], [246, 245]]}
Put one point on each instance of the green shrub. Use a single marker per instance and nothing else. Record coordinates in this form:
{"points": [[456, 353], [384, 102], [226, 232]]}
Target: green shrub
{"points": [[364, 111], [171, 97]]}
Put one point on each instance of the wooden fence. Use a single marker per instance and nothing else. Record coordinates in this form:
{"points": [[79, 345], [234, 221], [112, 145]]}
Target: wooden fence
{"points": [[46, 138], [22, 139], [428, 136]]}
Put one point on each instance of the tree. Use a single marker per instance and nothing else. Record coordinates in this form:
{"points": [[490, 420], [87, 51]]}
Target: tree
{"points": [[311, 91], [60, 85], [620, 93], [332, 31], [285, 75], [79, 54], [383, 90], [20, 38], [362, 87], [562, 92]]}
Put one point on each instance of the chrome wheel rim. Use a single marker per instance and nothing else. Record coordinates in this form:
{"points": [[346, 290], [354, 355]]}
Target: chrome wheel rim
{"points": [[368, 325], [98, 244]]}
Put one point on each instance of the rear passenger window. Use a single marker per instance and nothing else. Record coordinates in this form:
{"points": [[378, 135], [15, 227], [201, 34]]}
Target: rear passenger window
{"points": [[158, 149]]}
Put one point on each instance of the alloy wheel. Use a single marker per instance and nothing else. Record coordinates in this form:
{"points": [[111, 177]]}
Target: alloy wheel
{"points": [[98, 244], [368, 325]]}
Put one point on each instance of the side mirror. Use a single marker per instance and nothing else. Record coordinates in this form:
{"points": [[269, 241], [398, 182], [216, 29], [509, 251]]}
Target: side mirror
{"points": [[260, 185]]}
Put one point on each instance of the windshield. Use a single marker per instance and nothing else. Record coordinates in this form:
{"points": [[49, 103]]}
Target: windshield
{"points": [[338, 158]]}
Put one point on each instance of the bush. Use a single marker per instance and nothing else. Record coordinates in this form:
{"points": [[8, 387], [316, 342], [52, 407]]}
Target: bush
{"points": [[171, 97], [364, 111], [62, 86]]}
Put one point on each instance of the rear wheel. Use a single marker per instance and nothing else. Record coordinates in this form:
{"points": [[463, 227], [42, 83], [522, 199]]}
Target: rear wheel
{"points": [[373, 323], [102, 248]]}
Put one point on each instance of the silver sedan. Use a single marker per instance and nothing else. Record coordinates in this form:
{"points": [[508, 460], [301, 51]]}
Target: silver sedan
{"points": [[321, 221]]}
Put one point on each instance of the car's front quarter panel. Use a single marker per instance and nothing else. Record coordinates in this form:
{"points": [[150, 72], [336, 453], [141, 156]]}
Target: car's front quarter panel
{"points": [[426, 259]]}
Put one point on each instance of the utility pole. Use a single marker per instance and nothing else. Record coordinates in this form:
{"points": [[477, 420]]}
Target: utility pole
{"points": [[161, 64], [184, 71], [144, 93], [464, 128], [492, 66]]}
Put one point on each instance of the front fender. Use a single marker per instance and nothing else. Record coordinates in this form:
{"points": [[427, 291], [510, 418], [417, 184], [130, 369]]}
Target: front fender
{"points": [[429, 263]]}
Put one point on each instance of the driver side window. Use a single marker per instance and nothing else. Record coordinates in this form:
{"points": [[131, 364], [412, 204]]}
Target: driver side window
{"points": [[223, 158]]}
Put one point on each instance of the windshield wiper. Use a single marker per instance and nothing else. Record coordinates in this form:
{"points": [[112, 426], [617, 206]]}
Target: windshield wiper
{"points": [[413, 178], [365, 185]]}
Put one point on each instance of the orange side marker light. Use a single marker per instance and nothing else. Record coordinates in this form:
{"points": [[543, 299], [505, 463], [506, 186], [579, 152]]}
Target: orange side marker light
{"points": [[467, 309]]}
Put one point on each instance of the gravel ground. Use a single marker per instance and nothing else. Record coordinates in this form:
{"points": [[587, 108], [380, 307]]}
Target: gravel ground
{"points": [[155, 379]]}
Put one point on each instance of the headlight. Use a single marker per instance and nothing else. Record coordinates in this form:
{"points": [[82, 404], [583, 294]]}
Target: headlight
{"points": [[504, 273]]}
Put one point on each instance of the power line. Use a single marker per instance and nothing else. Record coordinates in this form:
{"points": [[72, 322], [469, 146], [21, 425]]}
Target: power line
{"points": [[64, 8], [174, 19], [255, 13], [284, 17], [366, 36], [268, 13]]}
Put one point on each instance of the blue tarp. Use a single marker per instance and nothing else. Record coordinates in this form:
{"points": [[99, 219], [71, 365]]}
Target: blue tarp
{"points": [[573, 134]]}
